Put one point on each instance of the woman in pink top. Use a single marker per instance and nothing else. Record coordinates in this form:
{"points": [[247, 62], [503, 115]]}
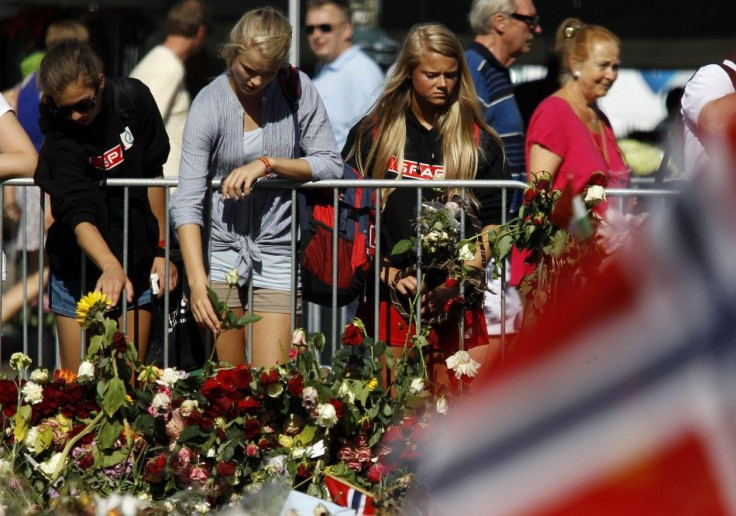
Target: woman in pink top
{"points": [[568, 135]]}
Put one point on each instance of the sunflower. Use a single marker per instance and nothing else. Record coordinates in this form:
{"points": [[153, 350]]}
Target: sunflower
{"points": [[90, 305]]}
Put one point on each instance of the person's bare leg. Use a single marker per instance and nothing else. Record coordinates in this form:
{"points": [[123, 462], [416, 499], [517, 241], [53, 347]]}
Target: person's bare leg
{"points": [[271, 339], [231, 344], [70, 335]]}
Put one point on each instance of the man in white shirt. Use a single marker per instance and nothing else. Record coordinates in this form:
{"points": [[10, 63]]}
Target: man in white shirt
{"points": [[163, 71], [708, 110], [347, 79]]}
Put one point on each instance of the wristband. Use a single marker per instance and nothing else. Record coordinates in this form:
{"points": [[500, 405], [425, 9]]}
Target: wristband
{"points": [[159, 253], [264, 160]]}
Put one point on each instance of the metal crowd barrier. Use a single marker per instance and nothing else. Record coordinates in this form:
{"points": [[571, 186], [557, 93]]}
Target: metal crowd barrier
{"points": [[33, 305]]}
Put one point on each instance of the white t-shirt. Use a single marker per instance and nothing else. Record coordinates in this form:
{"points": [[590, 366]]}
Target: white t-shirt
{"points": [[4, 106], [709, 83]]}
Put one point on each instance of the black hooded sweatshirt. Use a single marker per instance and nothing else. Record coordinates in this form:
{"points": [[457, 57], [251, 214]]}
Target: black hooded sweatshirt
{"points": [[126, 140]]}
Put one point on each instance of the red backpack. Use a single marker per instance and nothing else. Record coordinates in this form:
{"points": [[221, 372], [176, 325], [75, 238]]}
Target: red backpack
{"points": [[355, 242]]}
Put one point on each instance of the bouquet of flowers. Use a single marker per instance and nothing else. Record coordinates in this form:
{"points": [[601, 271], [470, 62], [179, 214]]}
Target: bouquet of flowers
{"points": [[556, 232], [443, 254], [193, 442]]}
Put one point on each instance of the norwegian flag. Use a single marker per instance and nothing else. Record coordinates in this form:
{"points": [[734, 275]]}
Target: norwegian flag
{"points": [[623, 399], [350, 496]]}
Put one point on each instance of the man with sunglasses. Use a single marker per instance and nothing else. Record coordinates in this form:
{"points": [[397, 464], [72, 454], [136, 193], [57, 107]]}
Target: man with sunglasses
{"points": [[504, 30], [347, 79]]}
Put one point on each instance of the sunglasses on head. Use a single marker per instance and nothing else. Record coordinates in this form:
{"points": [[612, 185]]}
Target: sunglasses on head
{"points": [[323, 27], [531, 21], [82, 107]]}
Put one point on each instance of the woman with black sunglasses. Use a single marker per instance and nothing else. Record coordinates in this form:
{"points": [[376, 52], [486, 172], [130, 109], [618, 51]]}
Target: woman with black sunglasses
{"points": [[95, 129]]}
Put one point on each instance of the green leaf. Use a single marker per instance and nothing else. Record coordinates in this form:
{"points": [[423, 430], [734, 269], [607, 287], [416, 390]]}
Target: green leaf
{"points": [[94, 345], [22, 420], [105, 460], [306, 435], [108, 433], [247, 319], [44, 438], [213, 298], [114, 396], [190, 432], [387, 410], [503, 247], [402, 246]]}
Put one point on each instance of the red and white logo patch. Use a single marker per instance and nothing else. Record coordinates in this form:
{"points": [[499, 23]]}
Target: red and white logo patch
{"points": [[109, 160]]}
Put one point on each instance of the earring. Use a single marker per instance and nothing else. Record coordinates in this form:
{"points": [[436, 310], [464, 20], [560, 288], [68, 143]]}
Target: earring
{"points": [[577, 74]]}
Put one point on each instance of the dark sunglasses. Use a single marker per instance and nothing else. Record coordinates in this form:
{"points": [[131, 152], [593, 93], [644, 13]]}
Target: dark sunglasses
{"points": [[531, 21], [323, 27], [82, 107]]}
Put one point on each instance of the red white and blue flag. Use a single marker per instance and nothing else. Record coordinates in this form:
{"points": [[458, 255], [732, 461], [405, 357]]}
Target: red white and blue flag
{"points": [[350, 496], [623, 399]]}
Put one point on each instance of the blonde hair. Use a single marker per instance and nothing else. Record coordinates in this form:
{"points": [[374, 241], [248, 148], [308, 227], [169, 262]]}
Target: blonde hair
{"points": [[64, 30], [387, 119], [574, 41], [264, 29]]}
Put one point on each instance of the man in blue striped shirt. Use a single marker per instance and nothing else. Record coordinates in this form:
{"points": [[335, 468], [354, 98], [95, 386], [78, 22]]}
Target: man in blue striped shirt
{"points": [[504, 30]]}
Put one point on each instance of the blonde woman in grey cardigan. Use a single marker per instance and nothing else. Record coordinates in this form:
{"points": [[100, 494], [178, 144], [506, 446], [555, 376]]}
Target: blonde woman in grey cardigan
{"points": [[240, 128]]}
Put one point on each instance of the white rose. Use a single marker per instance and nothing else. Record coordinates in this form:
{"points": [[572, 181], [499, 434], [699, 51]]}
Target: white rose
{"points": [[417, 386], [595, 194], [30, 440], [326, 415], [299, 337], [170, 376], [232, 277], [462, 364], [188, 406], [48, 467], [441, 405], [346, 391], [40, 375], [467, 252], [161, 402], [86, 371], [32, 393], [310, 394]]}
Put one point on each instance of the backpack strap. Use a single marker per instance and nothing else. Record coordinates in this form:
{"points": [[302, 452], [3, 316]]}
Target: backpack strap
{"points": [[291, 87], [124, 94], [731, 74]]}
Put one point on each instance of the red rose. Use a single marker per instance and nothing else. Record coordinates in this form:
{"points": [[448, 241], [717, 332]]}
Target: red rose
{"points": [[542, 184], [352, 336], [252, 450], [252, 428], [238, 378], [338, 406], [538, 219], [377, 471], [207, 424], [153, 472], [226, 469], [119, 342], [295, 386], [304, 470], [195, 418], [529, 195], [393, 433], [86, 461], [598, 178], [451, 282], [270, 377], [263, 444], [410, 453], [248, 405]]}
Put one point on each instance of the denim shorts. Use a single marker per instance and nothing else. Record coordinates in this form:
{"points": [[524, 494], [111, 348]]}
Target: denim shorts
{"points": [[65, 294]]}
